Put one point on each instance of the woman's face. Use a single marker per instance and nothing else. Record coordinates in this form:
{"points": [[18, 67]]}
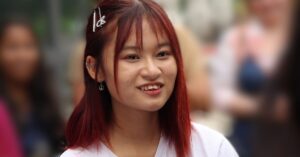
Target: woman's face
{"points": [[19, 54], [145, 79], [270, 10]]}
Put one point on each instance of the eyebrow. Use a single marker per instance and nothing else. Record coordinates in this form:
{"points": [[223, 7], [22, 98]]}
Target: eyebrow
{"points": [[137, 48]]}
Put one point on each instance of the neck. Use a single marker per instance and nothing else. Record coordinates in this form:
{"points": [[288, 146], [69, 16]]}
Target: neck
{"points": [[134, 126], [18, 92]]}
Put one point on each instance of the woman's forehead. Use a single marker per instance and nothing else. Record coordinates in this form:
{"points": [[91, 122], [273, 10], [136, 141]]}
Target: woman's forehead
{"points": [[151, 34], [19, 33]]}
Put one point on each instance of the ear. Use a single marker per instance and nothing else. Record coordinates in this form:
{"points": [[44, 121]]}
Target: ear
{"points": [[91, 67]]}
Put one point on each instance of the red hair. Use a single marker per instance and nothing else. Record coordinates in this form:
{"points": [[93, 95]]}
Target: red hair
{"points": [[91, 118]]}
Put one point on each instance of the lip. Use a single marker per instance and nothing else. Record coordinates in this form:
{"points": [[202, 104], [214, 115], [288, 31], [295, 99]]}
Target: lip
{"points": [[151, 92]]}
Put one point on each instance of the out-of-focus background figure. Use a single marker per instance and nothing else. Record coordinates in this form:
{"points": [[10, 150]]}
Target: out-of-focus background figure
{"points": [[245, 61], [25, 90], [233, 51]]}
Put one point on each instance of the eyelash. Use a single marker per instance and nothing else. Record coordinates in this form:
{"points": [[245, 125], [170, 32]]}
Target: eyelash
{"points": [[166, 54], [135, 57], [132, 57]]}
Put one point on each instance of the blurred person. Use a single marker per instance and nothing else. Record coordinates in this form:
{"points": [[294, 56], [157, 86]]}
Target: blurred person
{"points": [[135, 102], [25, 90], [278, 131], [195, 70], [245, 61]]}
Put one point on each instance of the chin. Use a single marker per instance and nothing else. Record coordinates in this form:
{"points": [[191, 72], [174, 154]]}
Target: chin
{"points": [[153, 107]]}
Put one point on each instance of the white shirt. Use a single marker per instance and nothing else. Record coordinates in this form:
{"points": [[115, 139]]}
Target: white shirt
{"points": [[205, 142]]}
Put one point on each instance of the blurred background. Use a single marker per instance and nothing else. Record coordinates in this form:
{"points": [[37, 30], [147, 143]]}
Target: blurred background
{"points": [[239, 60]]}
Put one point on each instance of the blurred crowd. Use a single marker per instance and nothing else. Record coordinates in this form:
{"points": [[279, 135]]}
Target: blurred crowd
{"points": [[241, 64]]}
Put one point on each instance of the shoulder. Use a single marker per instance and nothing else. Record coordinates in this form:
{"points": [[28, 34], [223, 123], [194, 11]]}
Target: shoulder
{"points": [[206, 136], [209, 142], [76, 152]]}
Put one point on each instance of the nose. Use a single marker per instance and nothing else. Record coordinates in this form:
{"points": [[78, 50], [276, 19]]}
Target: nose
{"points": [[150, 71]]}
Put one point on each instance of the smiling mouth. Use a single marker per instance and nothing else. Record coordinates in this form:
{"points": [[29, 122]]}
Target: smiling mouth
{"points": [[151, 89]]}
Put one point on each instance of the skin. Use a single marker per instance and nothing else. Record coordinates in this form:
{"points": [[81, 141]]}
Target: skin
{"points": [[19, 54], [136, 130], [19, 57]]}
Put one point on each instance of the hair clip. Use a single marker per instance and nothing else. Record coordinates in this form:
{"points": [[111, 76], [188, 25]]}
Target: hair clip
{"points": [[100, 22]]}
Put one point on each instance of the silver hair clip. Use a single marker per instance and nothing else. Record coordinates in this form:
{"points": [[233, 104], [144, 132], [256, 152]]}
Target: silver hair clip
{"points": [[100, 22]]}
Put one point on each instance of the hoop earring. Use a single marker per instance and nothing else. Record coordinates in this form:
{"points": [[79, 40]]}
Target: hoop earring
{"points": [[101, 87]]}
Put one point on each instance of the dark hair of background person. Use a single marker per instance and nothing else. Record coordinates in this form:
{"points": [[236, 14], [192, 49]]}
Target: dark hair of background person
{"points": [[289, 71], [285, 80], [278, 138], [44, 106]]}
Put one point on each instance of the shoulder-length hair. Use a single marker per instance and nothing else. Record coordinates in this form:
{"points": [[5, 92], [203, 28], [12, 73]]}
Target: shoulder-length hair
{"points": [[91, 118]]}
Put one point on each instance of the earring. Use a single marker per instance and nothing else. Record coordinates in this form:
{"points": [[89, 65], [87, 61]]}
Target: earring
{"points": [[101, 87]]}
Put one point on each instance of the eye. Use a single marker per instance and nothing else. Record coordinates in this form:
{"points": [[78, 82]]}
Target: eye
{"points": [[132, 57], [163, 54]]}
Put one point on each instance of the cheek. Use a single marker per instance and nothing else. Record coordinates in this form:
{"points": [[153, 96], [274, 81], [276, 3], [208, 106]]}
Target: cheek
{"points": [[33, 56], [170, 69], [20, 65], [127, 75], [8, 56], [9, 61], [170, 72]]}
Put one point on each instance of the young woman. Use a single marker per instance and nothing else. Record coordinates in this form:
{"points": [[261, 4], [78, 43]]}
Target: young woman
{"points": [[135, 103], [24, 89]]}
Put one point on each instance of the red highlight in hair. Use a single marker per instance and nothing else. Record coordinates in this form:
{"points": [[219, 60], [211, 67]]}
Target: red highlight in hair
{"points": [[91, 118]]}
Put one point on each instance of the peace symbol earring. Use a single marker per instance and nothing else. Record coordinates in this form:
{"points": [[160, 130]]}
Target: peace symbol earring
{"points": [[101, 86]]}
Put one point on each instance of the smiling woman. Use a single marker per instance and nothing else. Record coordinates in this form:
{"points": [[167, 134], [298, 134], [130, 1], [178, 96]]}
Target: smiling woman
{"points": [[135, 102]]}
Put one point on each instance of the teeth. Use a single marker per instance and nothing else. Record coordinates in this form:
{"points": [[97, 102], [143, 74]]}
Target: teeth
{"points": [[150, 87]]}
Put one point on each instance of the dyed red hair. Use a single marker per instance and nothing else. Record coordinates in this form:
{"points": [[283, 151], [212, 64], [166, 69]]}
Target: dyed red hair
{"points": [[91, 118]]}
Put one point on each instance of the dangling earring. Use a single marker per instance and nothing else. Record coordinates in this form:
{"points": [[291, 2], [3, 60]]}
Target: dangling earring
{"points": [[101, 87]]}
